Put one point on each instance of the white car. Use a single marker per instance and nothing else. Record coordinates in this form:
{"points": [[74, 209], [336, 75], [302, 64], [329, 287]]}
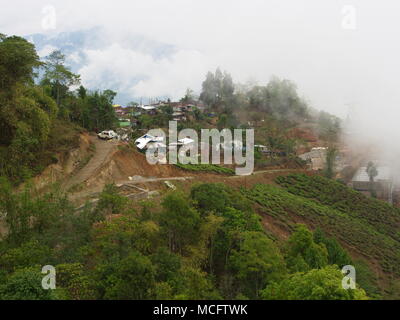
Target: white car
{"points": [[107, 135]]}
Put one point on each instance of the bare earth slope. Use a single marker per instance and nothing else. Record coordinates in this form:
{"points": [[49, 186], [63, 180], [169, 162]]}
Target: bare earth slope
{"points": [[103, 152]]}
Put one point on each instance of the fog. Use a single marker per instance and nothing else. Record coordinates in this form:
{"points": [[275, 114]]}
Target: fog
{"points": [[342, 54]]}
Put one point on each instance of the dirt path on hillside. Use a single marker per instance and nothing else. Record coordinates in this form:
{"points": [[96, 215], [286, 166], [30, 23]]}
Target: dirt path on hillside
{"points": [[110, 164], [103, 151], [269, 171]]}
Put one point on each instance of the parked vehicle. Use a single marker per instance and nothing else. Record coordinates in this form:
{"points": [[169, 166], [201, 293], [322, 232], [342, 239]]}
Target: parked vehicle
{"points": [[107, 135]]}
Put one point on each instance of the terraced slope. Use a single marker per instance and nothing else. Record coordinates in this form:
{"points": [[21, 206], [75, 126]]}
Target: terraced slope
{"points": [[367, 227]]}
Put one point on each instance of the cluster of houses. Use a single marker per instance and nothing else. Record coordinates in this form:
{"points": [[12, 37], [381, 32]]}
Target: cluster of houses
{"points": [[385, 184], [128, 115]]}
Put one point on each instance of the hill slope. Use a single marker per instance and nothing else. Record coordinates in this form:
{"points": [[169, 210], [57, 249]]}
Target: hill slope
{"points": [[366, 227]]}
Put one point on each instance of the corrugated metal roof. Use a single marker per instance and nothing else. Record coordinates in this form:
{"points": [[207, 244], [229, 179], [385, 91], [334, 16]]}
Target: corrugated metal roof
{"points": [[384, 173]]}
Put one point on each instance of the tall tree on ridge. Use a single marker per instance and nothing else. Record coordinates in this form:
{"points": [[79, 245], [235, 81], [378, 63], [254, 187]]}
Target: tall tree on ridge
{"points": [[58, 74]]}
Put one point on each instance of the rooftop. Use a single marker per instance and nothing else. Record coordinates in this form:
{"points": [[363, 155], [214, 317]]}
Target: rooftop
{"points": [[384, 173]]}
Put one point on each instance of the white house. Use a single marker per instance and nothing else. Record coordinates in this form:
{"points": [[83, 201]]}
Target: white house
{"points": [[145, 139]]}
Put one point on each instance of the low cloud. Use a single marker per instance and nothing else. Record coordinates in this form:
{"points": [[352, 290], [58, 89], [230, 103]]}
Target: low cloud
{"points": [[46, 50], [141, 74], [300, 40]]}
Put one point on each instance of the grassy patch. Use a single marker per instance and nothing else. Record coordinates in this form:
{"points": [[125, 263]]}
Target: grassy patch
{"points": [[206, 168], [63, 137], [76, 187]]}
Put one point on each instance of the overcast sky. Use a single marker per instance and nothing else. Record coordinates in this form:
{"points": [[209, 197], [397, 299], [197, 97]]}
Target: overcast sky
{"points": [[338, 57]]}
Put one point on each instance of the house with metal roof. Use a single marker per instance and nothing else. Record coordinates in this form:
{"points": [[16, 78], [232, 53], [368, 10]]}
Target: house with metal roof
{"points": [[382, 182]]}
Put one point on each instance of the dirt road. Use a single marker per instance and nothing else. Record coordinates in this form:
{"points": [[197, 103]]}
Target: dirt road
{"points": [[103, 151], [270, 171], [109, 164]]}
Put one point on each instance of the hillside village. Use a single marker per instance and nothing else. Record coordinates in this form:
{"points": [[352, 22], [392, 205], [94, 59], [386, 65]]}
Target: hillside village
{"points": [[314, 159], [180, 111], [77, 192]]}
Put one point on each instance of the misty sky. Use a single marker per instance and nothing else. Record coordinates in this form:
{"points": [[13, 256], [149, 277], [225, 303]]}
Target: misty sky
{"points": [[308, 41]]}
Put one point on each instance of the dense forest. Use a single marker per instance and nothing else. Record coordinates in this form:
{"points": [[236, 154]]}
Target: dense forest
{"points": [[207, 244]]}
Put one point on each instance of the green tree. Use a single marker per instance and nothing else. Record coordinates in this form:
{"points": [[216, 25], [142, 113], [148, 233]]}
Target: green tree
{"points": [[166, 265], [163, 291], [198, 115], [134, 278], [372, 172], [17, 220], [330, 159], [25, 284], [110, 202], [210, 197], [76, 281], [196, 285], [146, 121], [202, 252], [60, 76], [303, 253], [222, 121], [316, 284], [100, 112], [113, 240], [217, 88], [336, 254], [179, 221], [26, 112], [82, 92], [227, 86], [329, 126], [283, 100], [189, 96], [28, 254], [18, 59], [256, 262]]}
